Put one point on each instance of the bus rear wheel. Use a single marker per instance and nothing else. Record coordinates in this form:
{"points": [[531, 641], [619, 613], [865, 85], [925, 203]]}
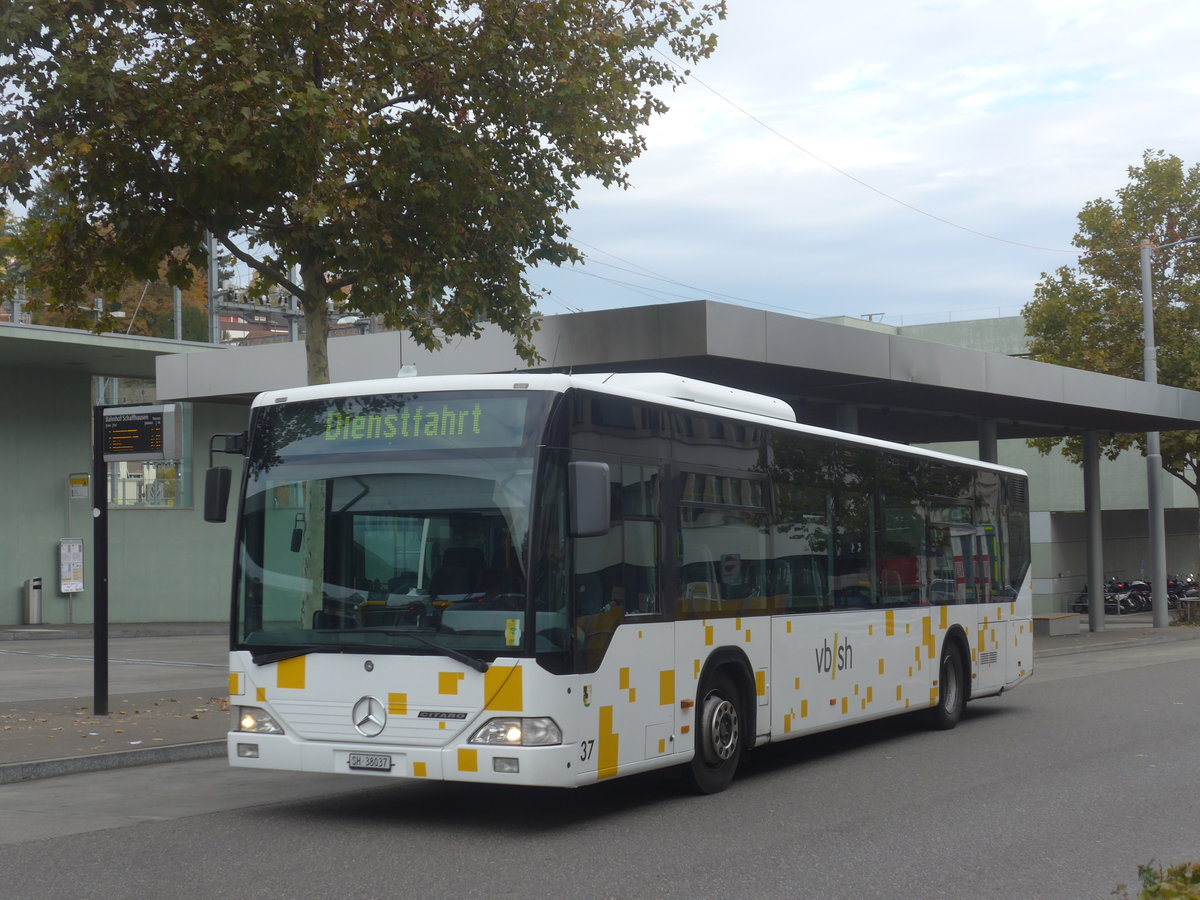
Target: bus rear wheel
{"points": [[718, 736], [952, 688]]}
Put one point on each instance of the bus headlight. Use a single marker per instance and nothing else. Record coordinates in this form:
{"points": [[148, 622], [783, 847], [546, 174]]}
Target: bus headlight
{"points": [[519, 732], [255, 721]]}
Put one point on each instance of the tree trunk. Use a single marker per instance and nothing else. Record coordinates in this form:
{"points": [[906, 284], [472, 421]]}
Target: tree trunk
{"points": [[316, 353], [316, 323]]}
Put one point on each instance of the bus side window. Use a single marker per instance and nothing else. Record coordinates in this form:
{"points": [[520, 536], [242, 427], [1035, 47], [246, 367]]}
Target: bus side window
{"points": [[616, 574], [900, 525], [599, 596], [724, 565], [802, 526], [640, 505]]}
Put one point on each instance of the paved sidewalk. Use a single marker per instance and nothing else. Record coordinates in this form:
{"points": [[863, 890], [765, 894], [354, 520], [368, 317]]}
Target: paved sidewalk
{"points": [[177, 708], [167, 699], [1119, 632]]}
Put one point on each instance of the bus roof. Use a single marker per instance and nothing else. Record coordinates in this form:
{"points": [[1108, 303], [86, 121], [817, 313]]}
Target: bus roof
{"points": [[658, 387]]}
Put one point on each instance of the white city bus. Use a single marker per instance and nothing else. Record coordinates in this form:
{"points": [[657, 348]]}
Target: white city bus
{"points": [[556, 580]]}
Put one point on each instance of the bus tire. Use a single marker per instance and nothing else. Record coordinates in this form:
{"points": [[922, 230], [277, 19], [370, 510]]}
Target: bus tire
{"points": [[952, 688], [719, 723]]}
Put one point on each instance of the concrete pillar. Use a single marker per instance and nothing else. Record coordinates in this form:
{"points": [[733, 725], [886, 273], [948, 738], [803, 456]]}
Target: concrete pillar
{"points": [[846, 418], [988, 448]]}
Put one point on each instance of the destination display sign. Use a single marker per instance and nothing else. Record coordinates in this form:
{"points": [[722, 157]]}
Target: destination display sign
{"points": [[142, 433], [396, 423]]}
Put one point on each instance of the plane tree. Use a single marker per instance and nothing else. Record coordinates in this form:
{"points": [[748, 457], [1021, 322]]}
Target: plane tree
{"points": [[404, 159], [1089, 316]]}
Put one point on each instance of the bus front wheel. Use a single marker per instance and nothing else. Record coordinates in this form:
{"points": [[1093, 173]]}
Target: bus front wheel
{"points": [[952, 688], [718, 735]]}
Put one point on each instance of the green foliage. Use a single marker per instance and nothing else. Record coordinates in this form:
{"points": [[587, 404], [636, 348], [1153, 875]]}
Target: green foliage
{"points": [[1179, 882], [1090, 316], [410, 159], [9, 275]]}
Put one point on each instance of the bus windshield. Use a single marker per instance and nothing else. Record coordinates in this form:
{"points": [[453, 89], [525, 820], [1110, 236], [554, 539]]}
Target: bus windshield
{"points": [[388, 523]]}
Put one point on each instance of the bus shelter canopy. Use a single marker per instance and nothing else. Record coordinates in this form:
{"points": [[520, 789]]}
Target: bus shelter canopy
{"points": [[893, 387]]}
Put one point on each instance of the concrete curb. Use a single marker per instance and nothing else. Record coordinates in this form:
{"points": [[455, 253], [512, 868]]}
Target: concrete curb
{"points": [[1114, 643], [1090, 648], [11, 773]]}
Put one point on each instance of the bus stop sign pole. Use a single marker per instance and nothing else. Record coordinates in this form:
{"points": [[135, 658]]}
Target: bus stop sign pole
{"points": [[134, 432], [99, 567]]}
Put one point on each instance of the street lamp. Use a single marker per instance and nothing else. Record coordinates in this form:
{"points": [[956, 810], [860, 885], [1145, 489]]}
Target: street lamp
{"points": [[1158, 531]]}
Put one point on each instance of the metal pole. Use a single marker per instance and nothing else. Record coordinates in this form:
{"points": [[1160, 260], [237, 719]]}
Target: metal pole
{"points": [[1158, 539], [177, 300], [99, 567], [214, 314], [294, 308], [1095, 534]]}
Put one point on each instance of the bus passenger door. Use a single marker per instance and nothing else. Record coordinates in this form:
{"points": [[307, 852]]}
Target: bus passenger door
{"points": [[623, 646], [992, 638]]}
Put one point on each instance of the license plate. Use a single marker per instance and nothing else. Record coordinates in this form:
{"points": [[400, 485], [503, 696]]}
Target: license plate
{"points": [[378, 762]]}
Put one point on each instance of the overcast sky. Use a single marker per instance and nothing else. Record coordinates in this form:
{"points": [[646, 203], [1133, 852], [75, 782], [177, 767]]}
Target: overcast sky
{"points": [[1000, 116]]}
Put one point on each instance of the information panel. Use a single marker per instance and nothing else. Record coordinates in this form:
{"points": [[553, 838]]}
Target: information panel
{"points": [[142, 433], [70, 566]]}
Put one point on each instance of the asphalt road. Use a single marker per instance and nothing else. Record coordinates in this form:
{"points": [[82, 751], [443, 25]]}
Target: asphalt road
{"points": [[1057, 790]]}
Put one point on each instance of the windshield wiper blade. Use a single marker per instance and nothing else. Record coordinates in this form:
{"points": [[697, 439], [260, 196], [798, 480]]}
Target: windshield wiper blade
{"points": [[465, 658], [457, 655], [264, 658]]}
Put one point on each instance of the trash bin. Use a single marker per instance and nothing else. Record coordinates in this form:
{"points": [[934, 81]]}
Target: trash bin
{"points": [[33, 601]]}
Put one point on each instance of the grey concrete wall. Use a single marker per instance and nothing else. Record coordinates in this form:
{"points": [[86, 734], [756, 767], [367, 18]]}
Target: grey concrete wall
{"points": [[169, 565], [1001, 335], [164, 564], [46, 437]]}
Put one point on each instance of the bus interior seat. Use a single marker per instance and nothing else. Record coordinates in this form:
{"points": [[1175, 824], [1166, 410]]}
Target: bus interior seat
{"points": [[450, 580], [459, 571], [495, 580]]}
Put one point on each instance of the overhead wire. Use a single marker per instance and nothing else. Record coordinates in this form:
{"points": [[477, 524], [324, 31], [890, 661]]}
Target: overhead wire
{"points": [[650, 273], [882, 193]]}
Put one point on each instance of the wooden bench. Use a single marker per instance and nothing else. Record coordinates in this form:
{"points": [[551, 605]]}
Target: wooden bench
{"points": [[1056, 623]]}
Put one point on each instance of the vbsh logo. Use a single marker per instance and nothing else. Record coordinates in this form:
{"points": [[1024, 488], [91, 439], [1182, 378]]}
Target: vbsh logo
{"points": [[837, 658]]}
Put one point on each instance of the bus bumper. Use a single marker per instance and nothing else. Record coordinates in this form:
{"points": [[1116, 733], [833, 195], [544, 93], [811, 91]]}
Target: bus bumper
{"points": [[485, 764]]}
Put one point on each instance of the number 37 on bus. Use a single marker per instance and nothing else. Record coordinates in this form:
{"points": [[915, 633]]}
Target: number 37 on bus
{"points": [[558, 580]]}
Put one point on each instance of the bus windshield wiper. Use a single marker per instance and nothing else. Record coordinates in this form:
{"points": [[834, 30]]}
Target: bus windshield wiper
{"points": [[457, 655], [264, 657], [465, 658]]}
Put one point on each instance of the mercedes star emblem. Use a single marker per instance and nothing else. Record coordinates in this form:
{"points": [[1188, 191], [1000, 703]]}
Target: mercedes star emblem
{"points": [[369, 716]]}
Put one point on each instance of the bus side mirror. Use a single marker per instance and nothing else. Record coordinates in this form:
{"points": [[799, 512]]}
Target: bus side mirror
{"points": [[216, 493], [589, 498], [218, 478]]}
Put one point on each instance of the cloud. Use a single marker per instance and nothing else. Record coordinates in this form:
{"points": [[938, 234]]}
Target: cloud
{"points": [[1004, 118]]}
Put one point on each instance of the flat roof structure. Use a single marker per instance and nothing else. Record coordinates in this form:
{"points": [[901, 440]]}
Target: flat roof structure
{"points": [[81, 352], [885, 385]]}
